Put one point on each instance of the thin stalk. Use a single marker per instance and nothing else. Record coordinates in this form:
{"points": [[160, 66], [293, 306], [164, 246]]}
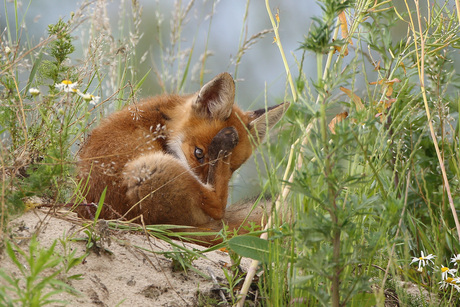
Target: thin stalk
{"points": [[275, 26], [205, 54], [457, 5], [242, 38]]}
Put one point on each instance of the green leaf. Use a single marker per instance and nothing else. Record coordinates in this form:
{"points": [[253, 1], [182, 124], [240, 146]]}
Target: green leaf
{"points": [[250, 247], [99, 205], [139, 84]]}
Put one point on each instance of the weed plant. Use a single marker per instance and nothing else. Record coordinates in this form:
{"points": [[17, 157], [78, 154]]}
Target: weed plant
{"points": [[372, 179]]}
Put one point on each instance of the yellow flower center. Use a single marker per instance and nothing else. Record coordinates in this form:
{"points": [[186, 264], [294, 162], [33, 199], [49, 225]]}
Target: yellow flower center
{"points": [[66, 82], [450, 280], [444, 269]]}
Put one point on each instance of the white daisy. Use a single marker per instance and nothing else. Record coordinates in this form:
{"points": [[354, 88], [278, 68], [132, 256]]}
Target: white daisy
{"points": [[445, 272], [423, 260], [450, 282]]}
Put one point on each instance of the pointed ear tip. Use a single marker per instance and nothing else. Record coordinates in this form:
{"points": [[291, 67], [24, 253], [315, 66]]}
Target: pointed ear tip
{"points": [[225, 75], [282, 107]]}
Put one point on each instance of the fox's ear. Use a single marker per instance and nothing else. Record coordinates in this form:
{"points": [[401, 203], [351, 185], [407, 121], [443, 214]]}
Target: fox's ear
{"points": [[263, 120], [215, 99]]}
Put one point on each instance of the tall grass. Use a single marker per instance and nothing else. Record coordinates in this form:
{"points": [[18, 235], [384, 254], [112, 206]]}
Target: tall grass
{"points": [[372, 178]]}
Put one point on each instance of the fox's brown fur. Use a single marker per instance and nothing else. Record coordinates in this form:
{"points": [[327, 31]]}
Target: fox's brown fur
{"points": [[170, 158]]}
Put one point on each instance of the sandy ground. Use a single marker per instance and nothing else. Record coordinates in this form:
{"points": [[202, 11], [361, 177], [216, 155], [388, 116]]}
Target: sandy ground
{"points": [[131, 276]]}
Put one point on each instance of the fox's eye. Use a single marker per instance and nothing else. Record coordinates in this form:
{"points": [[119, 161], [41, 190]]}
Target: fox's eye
{"points": [[199, 154]]}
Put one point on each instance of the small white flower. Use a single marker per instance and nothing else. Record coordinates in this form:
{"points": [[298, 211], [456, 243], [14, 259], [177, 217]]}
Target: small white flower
{"points": [[455, 259], [445, 272], [89, 98], [423, 260], [34, 91], [67, 86], [7, 50], [450, 282]]}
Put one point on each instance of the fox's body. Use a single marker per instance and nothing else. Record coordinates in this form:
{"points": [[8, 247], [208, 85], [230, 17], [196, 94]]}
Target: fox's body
{"points": [[169, 158]]}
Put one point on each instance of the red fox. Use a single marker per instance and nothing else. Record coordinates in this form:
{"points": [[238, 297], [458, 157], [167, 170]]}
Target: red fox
{"points": [[169, 158]]}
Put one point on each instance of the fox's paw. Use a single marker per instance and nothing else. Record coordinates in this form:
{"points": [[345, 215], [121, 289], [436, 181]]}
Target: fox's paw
{"points": [[224, 141]]}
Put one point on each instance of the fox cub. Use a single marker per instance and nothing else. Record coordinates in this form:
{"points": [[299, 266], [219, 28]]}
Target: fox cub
{"points": [[169, 158]]}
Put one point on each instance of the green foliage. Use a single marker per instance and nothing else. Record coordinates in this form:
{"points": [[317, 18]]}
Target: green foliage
{"points": [[60, 49], [372, 174], [39, 269], [319, 37]]}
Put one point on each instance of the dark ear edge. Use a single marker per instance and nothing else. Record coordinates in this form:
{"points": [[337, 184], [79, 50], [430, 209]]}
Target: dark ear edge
{"points": [[215, 99], [264, 119]]}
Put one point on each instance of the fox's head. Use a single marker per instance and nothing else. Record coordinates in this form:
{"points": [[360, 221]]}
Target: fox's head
{"points": [[211, 110]]}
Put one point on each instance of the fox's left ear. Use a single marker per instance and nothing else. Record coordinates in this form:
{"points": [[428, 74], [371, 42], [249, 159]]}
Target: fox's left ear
{"points": [[215, 99], [263, 120]]}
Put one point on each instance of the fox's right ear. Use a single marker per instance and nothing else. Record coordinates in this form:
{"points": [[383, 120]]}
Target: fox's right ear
{"points": [[215, 99], [263, 120]]}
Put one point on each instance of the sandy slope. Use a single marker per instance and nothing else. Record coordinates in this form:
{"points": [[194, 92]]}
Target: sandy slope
{"points": [[129, 277]]}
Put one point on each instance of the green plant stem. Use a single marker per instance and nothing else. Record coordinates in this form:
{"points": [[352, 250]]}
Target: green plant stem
{"points": [[319, 66], [335, 278]]}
